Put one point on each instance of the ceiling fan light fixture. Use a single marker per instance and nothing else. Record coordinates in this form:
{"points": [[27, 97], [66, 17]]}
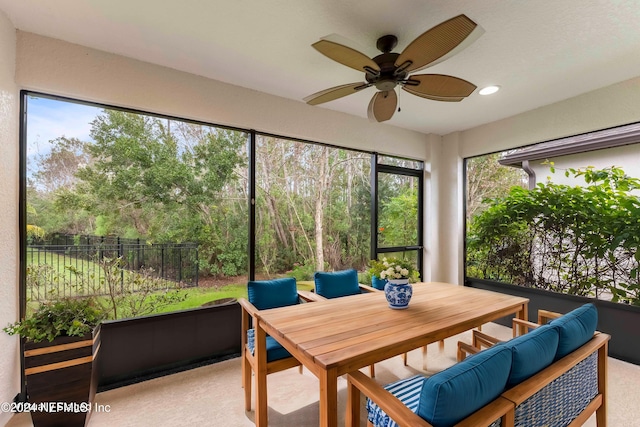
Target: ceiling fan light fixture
{"points": [[489, 90]]}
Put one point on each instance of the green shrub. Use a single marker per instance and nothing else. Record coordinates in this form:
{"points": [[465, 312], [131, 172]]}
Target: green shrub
{"points": [[302, 272], [64, 317], [579, 240]]}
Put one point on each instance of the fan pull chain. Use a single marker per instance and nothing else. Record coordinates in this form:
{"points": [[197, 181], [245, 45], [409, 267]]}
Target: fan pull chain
{"points": [[399, 100]]}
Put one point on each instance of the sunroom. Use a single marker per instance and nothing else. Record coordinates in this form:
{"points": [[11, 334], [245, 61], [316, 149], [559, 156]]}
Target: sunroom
{"points": [[247, 67]]}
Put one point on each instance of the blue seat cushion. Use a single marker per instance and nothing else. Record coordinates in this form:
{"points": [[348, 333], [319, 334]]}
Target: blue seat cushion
{"points": [[265, 294], [336, 284], [407, 390], [274, 350], [455, 393], [531, 353], [575, 328]]}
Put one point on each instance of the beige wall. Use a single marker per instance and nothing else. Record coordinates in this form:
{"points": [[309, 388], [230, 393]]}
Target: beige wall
{"points": [[9, 354], [626, 157], [431, 254], [610, 106]]}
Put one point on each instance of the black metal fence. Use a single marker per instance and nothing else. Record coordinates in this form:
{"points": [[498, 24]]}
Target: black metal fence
{"points": [[78, 263]]}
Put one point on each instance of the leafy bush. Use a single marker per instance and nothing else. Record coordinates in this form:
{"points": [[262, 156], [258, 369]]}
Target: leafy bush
{"points": [[302, 272], [139, 294], [579, 240], [64, 317], [364, 278]]}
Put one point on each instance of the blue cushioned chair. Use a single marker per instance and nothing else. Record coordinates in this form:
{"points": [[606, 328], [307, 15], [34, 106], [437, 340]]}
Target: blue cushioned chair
{"points": [[443, 399], [264, 295], [336, 284]]}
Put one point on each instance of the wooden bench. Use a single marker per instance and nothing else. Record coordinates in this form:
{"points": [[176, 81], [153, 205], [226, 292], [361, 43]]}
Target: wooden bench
{"points": [[571, 388]]}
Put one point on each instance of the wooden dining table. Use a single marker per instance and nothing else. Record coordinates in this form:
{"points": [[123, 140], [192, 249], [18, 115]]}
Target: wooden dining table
{"points": [[341, 335]]}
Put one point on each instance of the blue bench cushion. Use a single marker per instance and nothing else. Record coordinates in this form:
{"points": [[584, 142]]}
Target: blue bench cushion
{"points": [[265, 294], [455, 393], [336, 284], [531, 353], [407, 391], [575, 328], [274, 350]]}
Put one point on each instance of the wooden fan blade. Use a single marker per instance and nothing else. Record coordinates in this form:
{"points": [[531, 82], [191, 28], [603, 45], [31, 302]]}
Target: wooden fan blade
{"points": [[439, 43], [345, 55], [382, 105], [439, 87], [334, 93]]}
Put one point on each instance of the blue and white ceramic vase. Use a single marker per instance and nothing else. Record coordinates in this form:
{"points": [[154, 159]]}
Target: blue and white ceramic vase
{"points": [[398, 293]]}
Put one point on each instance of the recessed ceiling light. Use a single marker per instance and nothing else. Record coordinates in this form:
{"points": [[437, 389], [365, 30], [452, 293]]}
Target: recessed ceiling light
{"points": [[489, 90]]}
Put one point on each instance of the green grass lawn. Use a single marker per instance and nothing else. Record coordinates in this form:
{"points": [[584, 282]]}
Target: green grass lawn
{"points": [[50, 275], [196, 297]]}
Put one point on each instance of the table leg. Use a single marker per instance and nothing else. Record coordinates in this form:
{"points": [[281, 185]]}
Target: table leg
{"points": [[352, 417], [261, 376], [329, 398]]}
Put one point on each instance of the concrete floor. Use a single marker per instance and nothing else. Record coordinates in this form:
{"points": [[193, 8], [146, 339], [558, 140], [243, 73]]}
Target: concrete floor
{"points": [[212, 395]]}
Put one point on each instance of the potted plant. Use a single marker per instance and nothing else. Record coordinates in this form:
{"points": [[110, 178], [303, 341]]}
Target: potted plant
{"points": [[61, 344], [397, 273], [375, 268]]}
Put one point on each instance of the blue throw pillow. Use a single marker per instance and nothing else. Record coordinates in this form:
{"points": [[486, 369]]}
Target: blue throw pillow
{"points": [[575, 328], [531, 353], [455, 393], [336, 284], [265, 294]]}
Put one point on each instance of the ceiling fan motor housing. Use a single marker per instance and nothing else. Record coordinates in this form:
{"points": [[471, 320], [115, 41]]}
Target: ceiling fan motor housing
{"points": [[387, 78]]}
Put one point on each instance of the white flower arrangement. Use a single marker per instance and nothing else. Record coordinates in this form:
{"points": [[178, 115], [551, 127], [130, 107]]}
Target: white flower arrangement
{"points": [[395, 268]]}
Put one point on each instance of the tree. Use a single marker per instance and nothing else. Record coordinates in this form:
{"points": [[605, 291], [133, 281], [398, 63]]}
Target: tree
{"points": [[52, 188], [167, 186], [57, 169], [311, 200], [398, 218], [487, 179]]}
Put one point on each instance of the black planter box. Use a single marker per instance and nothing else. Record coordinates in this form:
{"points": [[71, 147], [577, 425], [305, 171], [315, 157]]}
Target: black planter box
{"points": [[621, 321], [145, 347], [60, 379]]}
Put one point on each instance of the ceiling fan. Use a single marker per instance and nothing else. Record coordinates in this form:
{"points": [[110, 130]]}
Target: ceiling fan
{"points": [[388, 70]]}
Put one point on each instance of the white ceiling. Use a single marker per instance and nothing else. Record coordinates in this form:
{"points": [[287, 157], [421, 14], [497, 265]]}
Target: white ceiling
{"points": [[539, 51]]}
